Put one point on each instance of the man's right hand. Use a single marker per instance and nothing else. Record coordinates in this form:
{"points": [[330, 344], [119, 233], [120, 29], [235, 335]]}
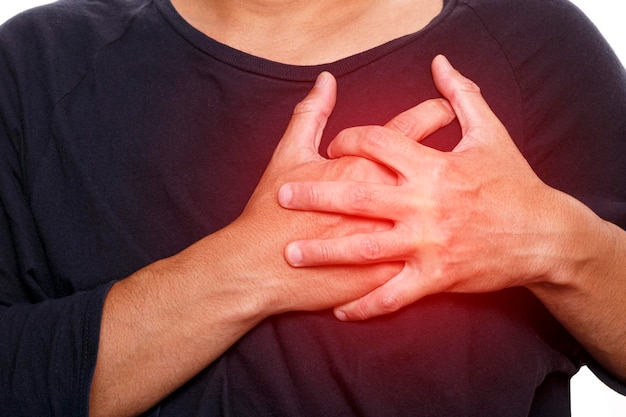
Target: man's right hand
{"points": [[171, 319], [265, 228]]}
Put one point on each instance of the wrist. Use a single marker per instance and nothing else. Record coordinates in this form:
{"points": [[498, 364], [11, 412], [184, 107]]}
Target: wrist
{"points": [[574, 246], [219, 273]]}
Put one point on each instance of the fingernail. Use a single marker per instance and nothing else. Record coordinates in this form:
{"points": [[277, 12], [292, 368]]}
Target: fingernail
{"points": [[285, 194], [341, 315], [445, 61], [321, 80], [294, 255]]}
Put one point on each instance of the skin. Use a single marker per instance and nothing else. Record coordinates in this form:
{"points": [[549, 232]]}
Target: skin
{"points": [[449, 209], [301, 32]]}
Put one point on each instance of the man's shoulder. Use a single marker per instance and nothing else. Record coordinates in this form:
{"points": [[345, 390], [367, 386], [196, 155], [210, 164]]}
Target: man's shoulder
{"points": [[518, 25], [509, 6], [526, 13], [55, 44], [88, 19]]}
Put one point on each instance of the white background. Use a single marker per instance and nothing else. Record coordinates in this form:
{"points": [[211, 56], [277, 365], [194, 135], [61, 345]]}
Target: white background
{"points": [[590, 398]]}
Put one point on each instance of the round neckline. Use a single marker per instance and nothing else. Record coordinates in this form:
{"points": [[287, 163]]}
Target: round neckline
{"points": [[265, 67]]}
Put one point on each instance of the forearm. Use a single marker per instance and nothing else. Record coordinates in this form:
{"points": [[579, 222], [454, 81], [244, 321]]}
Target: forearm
{"points": [[164, 324], [585, 287]]}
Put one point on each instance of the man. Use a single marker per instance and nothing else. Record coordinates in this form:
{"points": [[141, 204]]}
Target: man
{"points": [[131, 252]]}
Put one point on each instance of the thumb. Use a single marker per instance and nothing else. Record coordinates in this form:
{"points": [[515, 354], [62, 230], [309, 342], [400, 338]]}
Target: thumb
{"points": [[304, 131], [474, 114]]}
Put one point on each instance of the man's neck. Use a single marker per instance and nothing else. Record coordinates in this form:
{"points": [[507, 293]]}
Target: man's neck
{"points": [[306, 32]]}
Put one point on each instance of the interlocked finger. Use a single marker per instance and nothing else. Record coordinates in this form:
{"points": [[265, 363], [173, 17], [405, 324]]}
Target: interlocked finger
{"points": [[400, 291], [382, 145], [423, 120], [355, 249], [344, 197]]}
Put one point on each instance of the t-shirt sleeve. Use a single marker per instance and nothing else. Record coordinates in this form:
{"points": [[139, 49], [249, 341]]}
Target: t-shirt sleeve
{"points": [[608, 379], [48, 338], [48, 346], [574, 90]]}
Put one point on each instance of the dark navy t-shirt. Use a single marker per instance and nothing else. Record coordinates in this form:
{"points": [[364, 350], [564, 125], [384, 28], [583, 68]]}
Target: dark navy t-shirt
{"points": [[126, 135]]}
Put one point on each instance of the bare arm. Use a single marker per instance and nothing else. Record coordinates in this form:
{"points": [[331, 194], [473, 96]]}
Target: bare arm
{"points": [[585, 288], [165, 323], [451, 209]]}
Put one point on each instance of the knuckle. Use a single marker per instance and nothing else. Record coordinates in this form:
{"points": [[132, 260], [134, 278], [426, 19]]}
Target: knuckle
{"points": [[402, 124], [346, 133], [362, 310], [344, 136], [440, 108], [305, 106], [360, 169], [312, 195], [466, 86], [360, 197], [347, 168], [443, 275], [376, 137], [310, 109], [390, 303], [440, 170], [473, 87], [323, 253], [469, 86], [370, 250]]}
